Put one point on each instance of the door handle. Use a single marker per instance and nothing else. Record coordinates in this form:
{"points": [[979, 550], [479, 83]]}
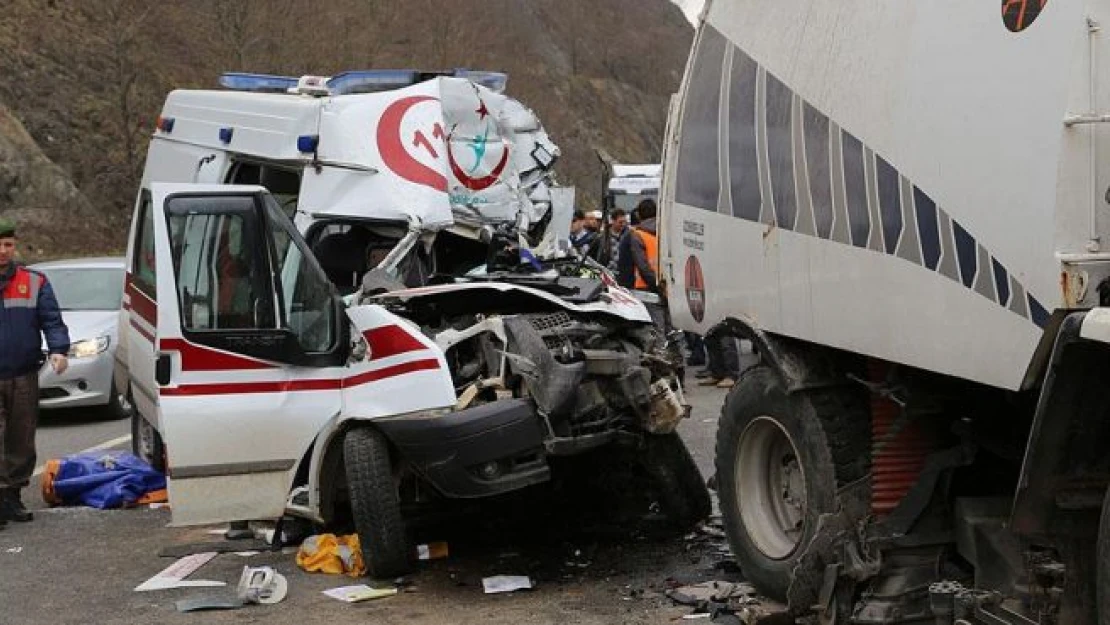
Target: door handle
{"points": [[162, 368]]}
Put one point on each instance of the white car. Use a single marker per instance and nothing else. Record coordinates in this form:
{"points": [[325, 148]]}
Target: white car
{"points": [[89, 292]]}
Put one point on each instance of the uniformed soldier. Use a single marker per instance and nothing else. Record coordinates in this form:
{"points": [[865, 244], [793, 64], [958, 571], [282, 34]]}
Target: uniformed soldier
{"points": [[28, 310]]}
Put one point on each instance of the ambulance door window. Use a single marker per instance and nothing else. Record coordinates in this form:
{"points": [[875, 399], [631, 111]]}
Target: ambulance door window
{"points": [[282, 183], [142, 269], [220, 263], [306, 299]]}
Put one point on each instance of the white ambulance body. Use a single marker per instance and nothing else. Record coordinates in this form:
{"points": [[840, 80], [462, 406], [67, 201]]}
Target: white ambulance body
{"points": [[258, 211]]}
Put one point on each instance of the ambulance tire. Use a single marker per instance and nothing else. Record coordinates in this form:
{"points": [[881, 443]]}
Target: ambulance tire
{"points": [[118, 406], [779, 459], [375, 504], [683, 496], [146, 442], [1102, 578]]}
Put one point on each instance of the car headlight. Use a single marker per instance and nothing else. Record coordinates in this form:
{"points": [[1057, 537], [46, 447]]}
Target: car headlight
{"points": [[89, 347]]}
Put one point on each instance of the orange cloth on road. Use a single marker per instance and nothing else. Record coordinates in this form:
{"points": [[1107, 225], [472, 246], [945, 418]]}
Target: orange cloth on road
{"points": [[328, 553]]}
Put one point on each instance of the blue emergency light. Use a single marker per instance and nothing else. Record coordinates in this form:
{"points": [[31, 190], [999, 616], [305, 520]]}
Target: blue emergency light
{"points": [[307, 143], [361, 81], [265, 83]]}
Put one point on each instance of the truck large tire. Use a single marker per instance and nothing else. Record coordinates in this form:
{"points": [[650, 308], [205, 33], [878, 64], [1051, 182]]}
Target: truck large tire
{"points": [[1102, 579], [682, 493], [375, 504], [780, 458]]}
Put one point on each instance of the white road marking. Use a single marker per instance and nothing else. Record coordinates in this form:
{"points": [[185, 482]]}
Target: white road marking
{"points": [[115, 442]]}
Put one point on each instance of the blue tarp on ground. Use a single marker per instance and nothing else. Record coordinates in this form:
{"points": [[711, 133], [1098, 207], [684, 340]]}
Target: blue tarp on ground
{"points": [[105, 480]]}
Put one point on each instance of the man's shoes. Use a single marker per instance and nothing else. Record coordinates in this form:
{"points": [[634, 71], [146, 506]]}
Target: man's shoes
{"points": [[12, 508], [726, 383], [709, 381], [703, 373], [3, 524]]}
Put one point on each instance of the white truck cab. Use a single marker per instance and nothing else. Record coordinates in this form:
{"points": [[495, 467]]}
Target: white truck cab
{"points": [[338, 287]]}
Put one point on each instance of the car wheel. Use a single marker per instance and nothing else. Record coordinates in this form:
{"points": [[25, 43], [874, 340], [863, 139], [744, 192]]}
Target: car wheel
{"points": [[682, 493], [119, 406], [375, 503], [146, 442], [779, 459]]}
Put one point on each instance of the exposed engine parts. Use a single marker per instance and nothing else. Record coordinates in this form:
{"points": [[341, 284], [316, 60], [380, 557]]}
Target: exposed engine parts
{"points": [[591, 379]]}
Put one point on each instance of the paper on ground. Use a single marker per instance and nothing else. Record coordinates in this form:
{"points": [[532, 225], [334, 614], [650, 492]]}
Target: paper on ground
{"points": [[506, 583], [359, 592], [173, 576]]}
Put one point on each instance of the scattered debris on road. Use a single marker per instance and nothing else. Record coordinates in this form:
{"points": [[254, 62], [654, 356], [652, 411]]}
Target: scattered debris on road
{"points": [[328, 553], [174, 575], [263, 585], [210, 602], [359, 592], [506, 583], [432, 551], [227, 546]]}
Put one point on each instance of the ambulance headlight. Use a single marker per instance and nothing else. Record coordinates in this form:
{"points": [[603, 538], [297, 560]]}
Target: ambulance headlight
{"points": [[89, 347]]}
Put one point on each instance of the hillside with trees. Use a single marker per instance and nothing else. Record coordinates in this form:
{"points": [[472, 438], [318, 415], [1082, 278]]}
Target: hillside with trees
{"points": [[84, 81]]}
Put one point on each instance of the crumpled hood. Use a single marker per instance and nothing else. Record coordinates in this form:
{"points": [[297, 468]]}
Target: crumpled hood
{"points": [[618, 301]]}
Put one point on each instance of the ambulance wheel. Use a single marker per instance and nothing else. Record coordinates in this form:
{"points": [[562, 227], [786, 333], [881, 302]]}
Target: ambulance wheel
{"points": [[375, 504], [146, 442], [779, 460], [683, 497], [119, 406], [1102, 578]]}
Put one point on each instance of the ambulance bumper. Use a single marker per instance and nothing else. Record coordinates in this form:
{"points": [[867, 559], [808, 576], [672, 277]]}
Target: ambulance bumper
{"points": [[486, 450]]}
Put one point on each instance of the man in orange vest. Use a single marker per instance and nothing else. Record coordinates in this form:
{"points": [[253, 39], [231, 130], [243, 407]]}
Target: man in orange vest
{"points": [[645, 249], [28, 311]]}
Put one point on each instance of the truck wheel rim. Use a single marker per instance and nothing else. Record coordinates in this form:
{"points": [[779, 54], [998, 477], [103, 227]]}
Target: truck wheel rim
{"points": [[770, 488]]}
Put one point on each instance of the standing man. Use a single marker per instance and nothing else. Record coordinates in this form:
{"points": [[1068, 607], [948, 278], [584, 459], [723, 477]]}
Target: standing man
{"points": [[618, 227], [28, 310], [581, 237], [645, 249]]}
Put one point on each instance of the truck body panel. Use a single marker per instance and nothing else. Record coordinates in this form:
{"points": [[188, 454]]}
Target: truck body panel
{"points": [[861, 175]]}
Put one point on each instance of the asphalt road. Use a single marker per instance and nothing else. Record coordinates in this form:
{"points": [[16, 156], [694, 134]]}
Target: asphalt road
{"points": [[77, 565]]}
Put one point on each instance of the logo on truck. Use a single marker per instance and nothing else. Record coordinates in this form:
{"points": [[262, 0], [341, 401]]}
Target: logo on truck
{"points": [[1020, 14], [695, 289]]}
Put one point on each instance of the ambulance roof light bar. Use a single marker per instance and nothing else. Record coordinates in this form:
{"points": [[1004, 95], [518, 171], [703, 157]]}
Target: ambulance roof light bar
{"points": [[363, 81]]}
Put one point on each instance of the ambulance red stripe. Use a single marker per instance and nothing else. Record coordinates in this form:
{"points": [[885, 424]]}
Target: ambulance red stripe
{"points": [[200, 358], [233, 388], [141, 304], [391, 340], [143, 332]]}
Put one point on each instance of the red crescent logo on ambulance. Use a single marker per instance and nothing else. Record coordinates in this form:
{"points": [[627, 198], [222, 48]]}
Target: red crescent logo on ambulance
{"points": [[392, 147], [477, 184]]}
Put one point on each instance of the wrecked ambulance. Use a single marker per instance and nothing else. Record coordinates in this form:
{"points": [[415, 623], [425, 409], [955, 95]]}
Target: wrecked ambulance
{"points": [[355, 293]]}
